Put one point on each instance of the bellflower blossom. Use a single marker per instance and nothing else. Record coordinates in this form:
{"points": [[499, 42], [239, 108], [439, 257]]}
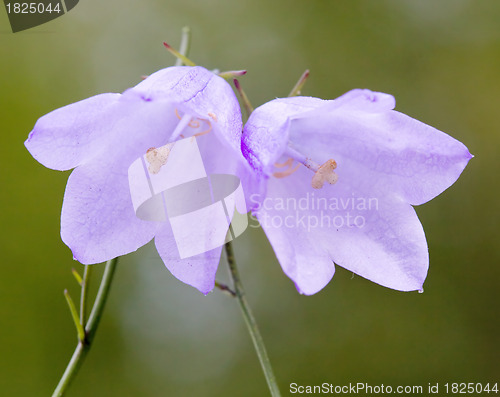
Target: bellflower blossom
{"points": [[341, 179], [101, 136]]}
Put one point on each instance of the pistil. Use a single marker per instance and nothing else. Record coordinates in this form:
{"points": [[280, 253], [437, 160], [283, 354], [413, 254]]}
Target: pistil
{"points": [[183, 123], [192, 123], [322, 173]]}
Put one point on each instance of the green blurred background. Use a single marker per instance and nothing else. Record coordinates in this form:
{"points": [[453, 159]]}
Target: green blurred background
{"points": [[440, 59]]}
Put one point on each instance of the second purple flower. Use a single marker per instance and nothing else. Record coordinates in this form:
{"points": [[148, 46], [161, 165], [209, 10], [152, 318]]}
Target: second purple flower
{"points": [[341, 177]]}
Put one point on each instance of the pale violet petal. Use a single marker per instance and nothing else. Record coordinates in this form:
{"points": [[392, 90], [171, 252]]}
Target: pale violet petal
{"points": [[104, 135], [387, 151], [379, 238], [199, 92], [198, 270], [265, 135], [308, 265], [357, 99], [70, 136], [98, 221]]}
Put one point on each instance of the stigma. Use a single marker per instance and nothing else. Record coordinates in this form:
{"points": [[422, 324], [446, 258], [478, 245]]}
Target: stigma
{"points": [[158, 157], [187, 120]]}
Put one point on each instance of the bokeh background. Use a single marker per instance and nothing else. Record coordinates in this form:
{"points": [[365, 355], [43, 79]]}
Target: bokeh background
{"points": [[158, 337]]}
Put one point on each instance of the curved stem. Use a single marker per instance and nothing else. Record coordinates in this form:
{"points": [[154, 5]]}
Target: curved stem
{"points": [[87, 271], [90, 329], [71, 370], [185, 45], [298, 86], [72, 308], [251, 324], [246, 102], [100, 300]]}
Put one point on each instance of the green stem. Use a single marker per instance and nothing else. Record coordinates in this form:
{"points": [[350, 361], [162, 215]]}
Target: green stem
{"points": [[251, 324], [83, 346], [232, 74], [77, 276], [84, 294], [225, 288], [74, 314], [185, 44], [184, 60], [71, 370], [246, 102], [298, 86], [100, 300]]}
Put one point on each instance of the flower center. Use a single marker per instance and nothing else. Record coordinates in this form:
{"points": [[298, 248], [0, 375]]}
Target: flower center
{"points": [[157, 157], [322, 173], [188, 121]]}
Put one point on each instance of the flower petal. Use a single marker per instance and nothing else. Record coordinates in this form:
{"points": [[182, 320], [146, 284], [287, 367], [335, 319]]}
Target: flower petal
{"points": [[379, 238], [98, 221], [72, 135], [357, 99], [198, 271], [308, 265], [265, 135], [190, 243], [202, 93], [67, 137], [395, 152], [219, 158]]}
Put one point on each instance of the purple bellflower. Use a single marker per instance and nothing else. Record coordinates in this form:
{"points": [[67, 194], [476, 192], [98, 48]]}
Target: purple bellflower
{"points": [[341, 179], [100, 137]]}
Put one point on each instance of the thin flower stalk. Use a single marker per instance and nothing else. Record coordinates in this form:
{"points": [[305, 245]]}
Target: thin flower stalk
{"points": [[85, 339], [251, 324]]}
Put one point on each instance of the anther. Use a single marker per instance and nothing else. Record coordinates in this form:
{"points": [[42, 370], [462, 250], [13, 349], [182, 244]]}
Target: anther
{"points": [[157, 157], [325, 174]]}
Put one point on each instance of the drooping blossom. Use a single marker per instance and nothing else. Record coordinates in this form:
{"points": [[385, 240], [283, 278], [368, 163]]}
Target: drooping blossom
{"points": [[103, 135], [341, 178]]}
